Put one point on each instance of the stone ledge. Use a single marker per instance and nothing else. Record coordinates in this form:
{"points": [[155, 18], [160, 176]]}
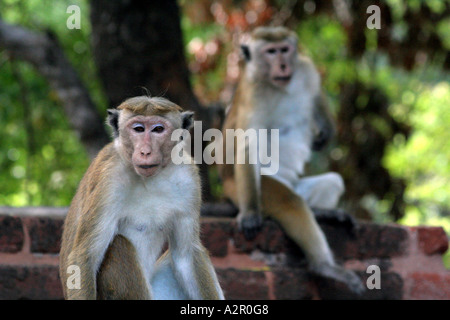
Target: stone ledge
{"points": [[367, 240], [30, 282], [11, 234], [269, 267]]}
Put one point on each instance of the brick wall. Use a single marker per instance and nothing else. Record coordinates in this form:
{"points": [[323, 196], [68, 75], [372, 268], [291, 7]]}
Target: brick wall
{"points": [[268, 267]]}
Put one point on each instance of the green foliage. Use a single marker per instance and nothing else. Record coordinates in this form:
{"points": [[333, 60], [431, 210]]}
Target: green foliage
{"points": [[41, 159], [324, 40], [424, 159]]}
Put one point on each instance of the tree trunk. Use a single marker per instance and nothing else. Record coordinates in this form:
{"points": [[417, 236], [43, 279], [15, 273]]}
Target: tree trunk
{"points": [[138, 46]]}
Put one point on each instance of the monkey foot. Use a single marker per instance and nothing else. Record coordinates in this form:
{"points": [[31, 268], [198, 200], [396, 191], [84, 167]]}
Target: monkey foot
{"points": [[339, 273], [250, 225]]}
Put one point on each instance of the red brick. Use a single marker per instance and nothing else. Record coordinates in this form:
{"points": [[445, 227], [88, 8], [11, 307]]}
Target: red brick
{"points": [[243, 284], [430, 286], [292, 284], [11, 234], [45, 234], [375, 241], [215, 234], [30, 282], [432, 240]]}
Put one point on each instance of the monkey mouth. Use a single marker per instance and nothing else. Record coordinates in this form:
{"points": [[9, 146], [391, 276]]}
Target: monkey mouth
{"points": [[147, 166], [283, 79], [146, 170]]}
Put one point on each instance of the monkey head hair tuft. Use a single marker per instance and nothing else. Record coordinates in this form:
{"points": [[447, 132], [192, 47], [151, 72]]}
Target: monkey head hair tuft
{"points": [[145, 105]]}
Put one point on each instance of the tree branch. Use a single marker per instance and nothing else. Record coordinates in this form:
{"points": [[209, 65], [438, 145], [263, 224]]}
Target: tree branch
{"points": [[44, 52]]}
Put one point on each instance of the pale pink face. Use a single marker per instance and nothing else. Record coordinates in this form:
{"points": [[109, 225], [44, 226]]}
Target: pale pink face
{"points": [[279, 56], [147, 139]]}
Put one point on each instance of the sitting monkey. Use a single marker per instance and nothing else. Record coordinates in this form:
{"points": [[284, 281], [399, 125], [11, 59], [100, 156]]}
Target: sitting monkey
{"points": [[280, 89], [131, 201]]}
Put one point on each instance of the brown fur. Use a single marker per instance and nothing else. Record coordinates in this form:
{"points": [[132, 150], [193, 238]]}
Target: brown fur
{"points": [[119, 272], [149, 106], [273, 34], [86, 207]]}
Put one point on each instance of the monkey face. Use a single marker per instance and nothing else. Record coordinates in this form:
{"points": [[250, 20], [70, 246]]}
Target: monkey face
{"points": [[279, 57], [147, 139], [142, 130]]}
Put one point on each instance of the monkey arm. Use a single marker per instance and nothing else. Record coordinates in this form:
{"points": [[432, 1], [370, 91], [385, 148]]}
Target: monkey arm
{"points": [[92, 239], [205, 274], [248, 194], [87, 290], [324, 127], [247, 187], [193, 269]]}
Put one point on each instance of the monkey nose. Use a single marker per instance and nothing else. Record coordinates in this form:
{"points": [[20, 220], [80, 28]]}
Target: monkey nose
{"points": [[145, 153]]}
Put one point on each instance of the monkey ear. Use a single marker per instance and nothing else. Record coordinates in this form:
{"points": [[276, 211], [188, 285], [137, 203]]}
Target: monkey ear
{"points": [[187, 120], [246, 52], [113, 121]]}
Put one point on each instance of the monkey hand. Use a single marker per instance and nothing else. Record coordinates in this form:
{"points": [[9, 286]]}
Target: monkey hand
{"points": [[249, 222], [321, 140], [337, 217]]}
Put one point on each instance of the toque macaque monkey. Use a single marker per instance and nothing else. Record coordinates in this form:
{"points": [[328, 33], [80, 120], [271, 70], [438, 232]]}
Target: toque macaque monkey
{"points": [[131, 201], [280, 89]]}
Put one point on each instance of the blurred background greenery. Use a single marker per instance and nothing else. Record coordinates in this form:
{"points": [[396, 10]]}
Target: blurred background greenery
{"points": [[388, 88]]}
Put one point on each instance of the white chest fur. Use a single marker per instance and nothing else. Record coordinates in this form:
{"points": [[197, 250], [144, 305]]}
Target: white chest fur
{"points": [[290, 112], [148, 210]]}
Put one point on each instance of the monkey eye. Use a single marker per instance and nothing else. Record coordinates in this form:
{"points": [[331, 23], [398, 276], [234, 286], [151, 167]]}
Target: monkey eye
{"points": [[271, 51], [138, 127], [284, 49], [158, 128]]}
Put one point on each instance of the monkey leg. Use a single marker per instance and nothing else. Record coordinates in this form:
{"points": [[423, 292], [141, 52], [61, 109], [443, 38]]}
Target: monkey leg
{"points": [[322, 194], [164, 284], [321, 191], [120, 276], [283, 205]]}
